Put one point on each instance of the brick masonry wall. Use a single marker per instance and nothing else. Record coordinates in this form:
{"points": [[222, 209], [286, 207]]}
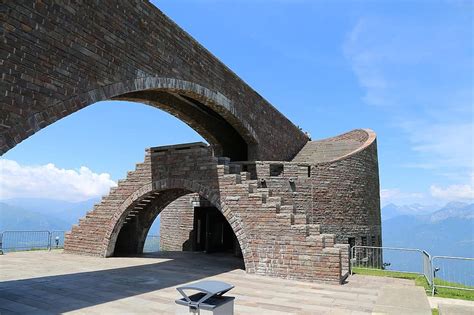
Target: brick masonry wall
{"points": [[274, 241], [346, 197], [341, 192], [89, 236], [176, 224], [58, 57]]}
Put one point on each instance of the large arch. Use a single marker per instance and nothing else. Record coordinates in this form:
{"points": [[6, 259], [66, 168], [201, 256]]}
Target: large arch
{"points": [[166, 191], [59, 57], [208, 112]]}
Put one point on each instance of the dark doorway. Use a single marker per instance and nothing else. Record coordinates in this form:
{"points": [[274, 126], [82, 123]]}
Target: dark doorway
{"points": [[213, 233]]}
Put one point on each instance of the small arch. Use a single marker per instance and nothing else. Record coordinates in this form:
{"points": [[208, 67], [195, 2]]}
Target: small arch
{"points": [[168, 190]]}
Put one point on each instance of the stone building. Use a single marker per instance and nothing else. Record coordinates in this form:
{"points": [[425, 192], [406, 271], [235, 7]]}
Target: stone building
{"points": [[290, 207]]}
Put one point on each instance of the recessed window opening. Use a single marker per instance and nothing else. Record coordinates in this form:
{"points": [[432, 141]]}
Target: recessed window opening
{"points": [[276, 169]]}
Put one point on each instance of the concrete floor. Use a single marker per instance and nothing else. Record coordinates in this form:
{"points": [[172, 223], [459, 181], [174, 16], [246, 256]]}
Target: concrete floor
{"points": [[53, 282]]}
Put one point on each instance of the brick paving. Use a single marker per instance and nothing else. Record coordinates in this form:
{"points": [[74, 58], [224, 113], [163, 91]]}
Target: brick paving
{"points": [[54, 282]]}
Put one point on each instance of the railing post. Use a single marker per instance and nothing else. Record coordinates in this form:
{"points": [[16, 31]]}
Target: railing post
{"points": [[351, 259], [1, 243], [49, 240]]}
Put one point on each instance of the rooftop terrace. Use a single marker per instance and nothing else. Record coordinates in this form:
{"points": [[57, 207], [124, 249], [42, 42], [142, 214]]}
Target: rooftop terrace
{"points": [[53, 282]]}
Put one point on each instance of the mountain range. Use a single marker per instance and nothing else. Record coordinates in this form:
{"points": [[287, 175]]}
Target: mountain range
{"points": [[447, 230], [46, 214]]}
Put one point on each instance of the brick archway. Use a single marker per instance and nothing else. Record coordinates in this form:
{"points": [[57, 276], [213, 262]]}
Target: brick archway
{"points": [[67, 64], [208, 112], [168, 190], [61, 56]]}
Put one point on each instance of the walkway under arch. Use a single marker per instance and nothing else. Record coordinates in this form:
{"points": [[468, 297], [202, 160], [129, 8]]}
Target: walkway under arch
{"points": [[147, 202]]}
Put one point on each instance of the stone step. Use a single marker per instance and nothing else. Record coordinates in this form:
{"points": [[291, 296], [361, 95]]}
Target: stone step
{"points": [[266, 191], [323, 240], [329, 240], [259, 196], [287, 209], [314, 229], [273, 206], [301, 229], [301, 219], [245, 176], [286, 218], [275, 199], [252, 185], [222, 170], [233, 178]]}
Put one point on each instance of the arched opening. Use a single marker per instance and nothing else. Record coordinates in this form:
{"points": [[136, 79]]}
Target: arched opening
{"points": [[205, 229], [212, 116], [211, 125], [209, 113]]}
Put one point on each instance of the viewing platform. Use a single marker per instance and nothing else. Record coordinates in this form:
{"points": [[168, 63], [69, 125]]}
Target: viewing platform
{"points": [[54, 282]]}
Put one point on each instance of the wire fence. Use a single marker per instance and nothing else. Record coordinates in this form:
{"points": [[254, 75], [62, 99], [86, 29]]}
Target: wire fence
{"points": [[439, 271], [406, 260], [427, 267], [11, 241], [26, 240], [453, 273]]}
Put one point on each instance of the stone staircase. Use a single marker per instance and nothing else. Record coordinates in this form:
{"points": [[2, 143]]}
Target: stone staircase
{"points": [[280, 239], [285, 210], [85, 236], [282, 218]]}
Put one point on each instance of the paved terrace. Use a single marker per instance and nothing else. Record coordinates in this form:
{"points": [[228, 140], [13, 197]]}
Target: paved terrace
{"points": [[53, 282]]}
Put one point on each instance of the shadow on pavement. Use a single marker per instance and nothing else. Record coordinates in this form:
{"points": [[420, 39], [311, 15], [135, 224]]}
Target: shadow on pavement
{"points": [[63, 293]]}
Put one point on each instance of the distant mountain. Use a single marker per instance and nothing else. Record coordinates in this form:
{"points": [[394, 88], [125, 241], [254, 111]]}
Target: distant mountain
{"points": [[454, 210], [391, 210], [15, 218], [69, 212], [47, 214], [447, 231]]}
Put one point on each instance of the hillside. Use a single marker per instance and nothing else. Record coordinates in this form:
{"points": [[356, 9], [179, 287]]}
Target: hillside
{"points": [[447, 231], [46, 214], [16, 218]]}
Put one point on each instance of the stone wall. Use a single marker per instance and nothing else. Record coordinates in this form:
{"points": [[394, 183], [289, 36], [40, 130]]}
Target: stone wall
{"points": [[345, 186], [176, 224], [274, 240], [346, 197]]}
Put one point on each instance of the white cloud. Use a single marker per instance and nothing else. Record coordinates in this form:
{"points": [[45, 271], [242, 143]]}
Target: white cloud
{"points": [[396, 196], [453, 192], [49, 181], [463, 192]]}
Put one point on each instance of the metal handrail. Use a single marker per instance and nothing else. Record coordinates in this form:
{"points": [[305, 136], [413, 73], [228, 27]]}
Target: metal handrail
{"points": [[434, 270], [47, 244], [428, 264]]}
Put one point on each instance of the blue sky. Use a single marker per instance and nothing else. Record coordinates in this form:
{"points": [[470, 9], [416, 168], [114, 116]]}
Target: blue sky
{"points": [[402, 68]]}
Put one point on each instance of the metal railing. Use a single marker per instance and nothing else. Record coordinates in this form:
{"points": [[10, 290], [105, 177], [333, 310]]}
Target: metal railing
{"points": [[427, 267], [452, 273], [439, 271], [11, 241], [30, 240], [408, 260]]}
